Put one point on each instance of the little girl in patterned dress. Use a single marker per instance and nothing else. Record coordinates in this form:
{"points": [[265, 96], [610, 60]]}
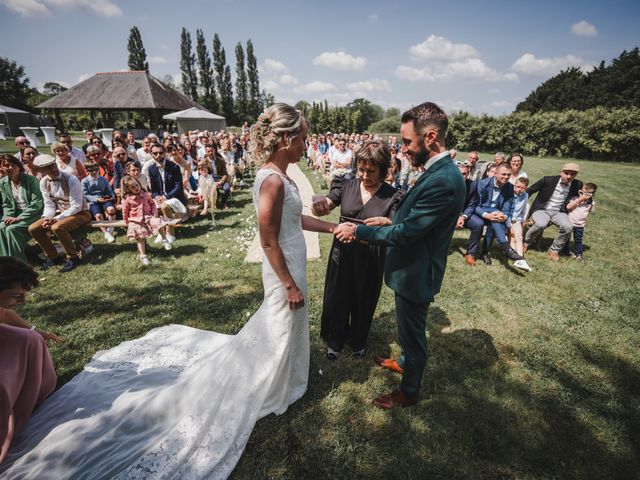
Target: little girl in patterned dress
{"points": [[140, 214]]}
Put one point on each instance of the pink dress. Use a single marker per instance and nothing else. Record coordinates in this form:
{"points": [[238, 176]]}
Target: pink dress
{"points": [[27, 377], [140, 215]]}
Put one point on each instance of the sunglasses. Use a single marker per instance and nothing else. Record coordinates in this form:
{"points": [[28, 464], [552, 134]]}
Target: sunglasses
{"points": [[93, 169], [588, 194], [464, 164]]}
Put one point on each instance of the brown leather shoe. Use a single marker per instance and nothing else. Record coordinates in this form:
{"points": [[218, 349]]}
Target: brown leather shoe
{"points": [[394, 399], [389, 364], [524, 248], [554, 256], [470, 259]]}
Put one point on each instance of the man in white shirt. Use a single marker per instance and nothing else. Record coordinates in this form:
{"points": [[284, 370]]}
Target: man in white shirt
{"points": [[550, 206], [21, 143], [341, 160], [144, 153], [61, 193]]}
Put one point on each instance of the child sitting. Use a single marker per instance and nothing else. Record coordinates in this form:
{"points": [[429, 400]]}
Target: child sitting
{"points": [[517, 220], [140, 214], [100, 198], [579, 208], [207, 192]]}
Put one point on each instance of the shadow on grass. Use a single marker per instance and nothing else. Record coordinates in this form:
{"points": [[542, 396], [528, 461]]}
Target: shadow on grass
{"points": [[476, 419]]}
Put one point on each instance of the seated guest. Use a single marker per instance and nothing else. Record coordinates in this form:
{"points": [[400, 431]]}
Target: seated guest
{"points": [[132, 146], [67, 164], [90, 134], [120, 161], [165, 179], [104, 160], [21, 206], [475, 169], [61, 193], [100, 198], [516, 161], [133, 169], [550, 206], [468, 208], [27, 376], [21, 143], [341, 159], [207, 192], [75, 152], [28, 156], [517, 221], [219, 173], [493, 208], [144, 153]]}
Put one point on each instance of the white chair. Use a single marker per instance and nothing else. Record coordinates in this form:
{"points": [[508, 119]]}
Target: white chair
{"points": [[49, 134], [31, 134]]}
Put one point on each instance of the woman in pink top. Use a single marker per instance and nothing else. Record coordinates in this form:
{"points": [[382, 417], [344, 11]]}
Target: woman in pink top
{"points": [[27, 376], [140, 214]]}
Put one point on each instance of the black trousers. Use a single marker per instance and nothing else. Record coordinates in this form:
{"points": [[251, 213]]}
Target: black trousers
{"points": [[351, 291]]}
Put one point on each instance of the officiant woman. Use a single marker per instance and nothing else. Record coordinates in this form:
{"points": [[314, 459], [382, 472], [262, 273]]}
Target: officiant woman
{"points": [[355, 270]]}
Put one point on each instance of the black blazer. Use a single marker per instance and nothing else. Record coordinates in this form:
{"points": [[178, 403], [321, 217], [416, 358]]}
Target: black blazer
{"points": [[172, 181], [545, 187]]}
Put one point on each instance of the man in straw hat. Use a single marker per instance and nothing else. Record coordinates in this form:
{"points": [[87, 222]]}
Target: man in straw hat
{"points": [[61, 193], [550, 206]]}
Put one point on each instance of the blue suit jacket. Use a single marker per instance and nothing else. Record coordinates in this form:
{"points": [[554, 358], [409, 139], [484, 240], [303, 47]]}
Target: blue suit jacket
{"points": [[469, 205], [484, 193], [172, 181]]}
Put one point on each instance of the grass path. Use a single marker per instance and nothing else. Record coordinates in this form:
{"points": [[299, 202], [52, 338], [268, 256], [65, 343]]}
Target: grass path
{"points": [[531, 375]]}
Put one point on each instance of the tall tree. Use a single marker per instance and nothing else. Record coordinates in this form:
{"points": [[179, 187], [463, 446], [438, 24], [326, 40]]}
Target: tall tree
{"points": [[53, 88], [255, 106], [219, 62], [207, 82], [137, 54], [227, 100], [187, 66], [242, 92], [14, 84]]}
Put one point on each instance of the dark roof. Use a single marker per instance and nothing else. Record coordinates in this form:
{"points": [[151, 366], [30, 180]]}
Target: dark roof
{"points": [[126, 90]]}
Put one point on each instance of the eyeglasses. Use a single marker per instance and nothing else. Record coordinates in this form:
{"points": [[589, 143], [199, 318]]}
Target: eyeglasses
{"points": [[92, 169], [464, 164], [588, 194]]}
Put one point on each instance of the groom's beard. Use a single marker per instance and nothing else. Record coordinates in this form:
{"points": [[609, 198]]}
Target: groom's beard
{"points": [[420, 158]]}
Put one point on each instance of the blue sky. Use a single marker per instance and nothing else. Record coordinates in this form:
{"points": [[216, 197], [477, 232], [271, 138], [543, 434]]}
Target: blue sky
{"points": [[476, 56]]}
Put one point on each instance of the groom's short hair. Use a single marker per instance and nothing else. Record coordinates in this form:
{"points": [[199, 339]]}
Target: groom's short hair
{"points": [[426, 115]]}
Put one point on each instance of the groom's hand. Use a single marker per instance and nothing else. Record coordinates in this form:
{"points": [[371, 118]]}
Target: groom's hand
{"points": [[345, 232]]}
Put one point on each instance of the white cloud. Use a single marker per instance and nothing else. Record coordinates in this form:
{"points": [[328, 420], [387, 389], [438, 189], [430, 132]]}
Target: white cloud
{"points": [[163, 46], [528, 64], [373, 85], [449, 105], [287, 79], [340, 61], [271, 86], [84, 76], [584, 29], [155, 60], [273, 66], [316, 87], [374, 18], [30, 8], [440, 49], [26, 8], [469, 69]]}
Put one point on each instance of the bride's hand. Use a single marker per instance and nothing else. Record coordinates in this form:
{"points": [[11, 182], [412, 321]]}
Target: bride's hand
{"points": [[295, 297]]}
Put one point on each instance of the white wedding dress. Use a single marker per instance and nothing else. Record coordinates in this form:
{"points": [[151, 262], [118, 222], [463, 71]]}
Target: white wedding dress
{"points": [[178, 403]]}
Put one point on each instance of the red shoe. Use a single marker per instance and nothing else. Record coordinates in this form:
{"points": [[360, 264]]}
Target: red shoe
{"points": [[389, 364], [470, 259], [394, 399]]}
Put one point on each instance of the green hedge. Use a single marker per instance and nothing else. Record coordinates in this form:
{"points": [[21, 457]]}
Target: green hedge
{"points": [[597, 134]]}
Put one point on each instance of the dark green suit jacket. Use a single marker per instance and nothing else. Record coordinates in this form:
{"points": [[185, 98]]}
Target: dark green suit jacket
{"points": [[32, 196], [421, 231]]}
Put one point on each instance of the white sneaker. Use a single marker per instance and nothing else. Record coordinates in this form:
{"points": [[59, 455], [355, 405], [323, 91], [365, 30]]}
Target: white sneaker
{"points": [[145, 260], [171, 238], [522, 264], [158, 239], [167, 246], [110, 230], [109, 237]]}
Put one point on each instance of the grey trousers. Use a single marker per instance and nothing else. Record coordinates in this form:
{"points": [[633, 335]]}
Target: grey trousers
{"points": [[542, 219]]}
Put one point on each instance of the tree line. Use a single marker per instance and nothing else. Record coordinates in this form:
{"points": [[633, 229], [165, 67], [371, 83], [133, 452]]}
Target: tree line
{"points": [[206, 77]]}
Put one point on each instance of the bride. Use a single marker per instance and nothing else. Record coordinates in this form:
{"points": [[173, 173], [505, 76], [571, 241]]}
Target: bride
{"points": [[181, 402]]}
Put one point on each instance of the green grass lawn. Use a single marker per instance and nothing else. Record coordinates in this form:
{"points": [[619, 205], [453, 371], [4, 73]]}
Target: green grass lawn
{"points": [[532, 375]]}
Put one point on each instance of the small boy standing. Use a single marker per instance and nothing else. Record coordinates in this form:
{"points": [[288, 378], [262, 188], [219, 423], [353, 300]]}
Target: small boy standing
{"points": [[579, 208], [518, 218]]}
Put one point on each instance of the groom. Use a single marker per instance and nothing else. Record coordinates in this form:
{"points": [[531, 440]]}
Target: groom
{"points": [[418, 240]]}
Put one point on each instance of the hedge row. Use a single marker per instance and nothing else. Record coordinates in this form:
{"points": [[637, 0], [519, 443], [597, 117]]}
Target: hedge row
{"points": [[597, 134]]}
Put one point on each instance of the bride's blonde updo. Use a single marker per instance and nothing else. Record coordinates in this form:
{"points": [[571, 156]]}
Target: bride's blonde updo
{"points": [[271, 127]]}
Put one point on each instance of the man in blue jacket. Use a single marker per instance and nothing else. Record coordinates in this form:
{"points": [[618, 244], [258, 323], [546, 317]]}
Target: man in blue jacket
{"points": [[493, 208], [165, 179], [418, 242]]}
